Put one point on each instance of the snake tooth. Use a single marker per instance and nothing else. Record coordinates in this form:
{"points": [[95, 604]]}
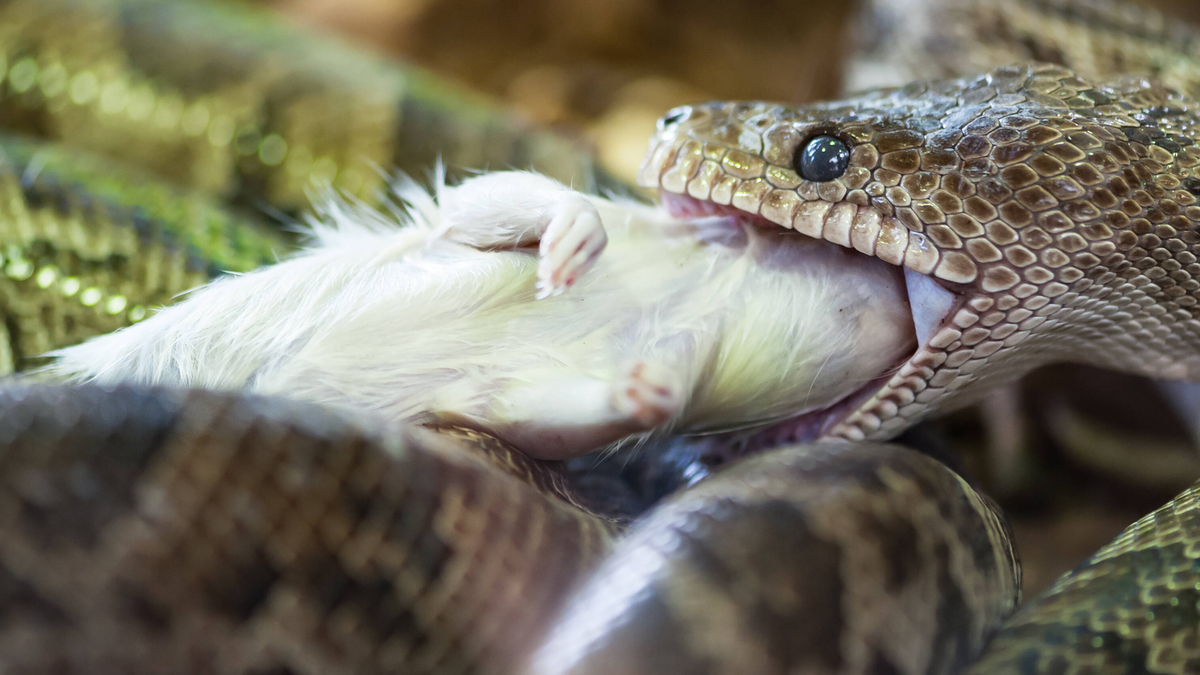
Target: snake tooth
{"points": [[824, 558]]}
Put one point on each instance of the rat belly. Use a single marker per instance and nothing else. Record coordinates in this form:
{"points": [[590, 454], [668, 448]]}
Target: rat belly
{"points": [[662, 335], [811, 323], [665, 333]]}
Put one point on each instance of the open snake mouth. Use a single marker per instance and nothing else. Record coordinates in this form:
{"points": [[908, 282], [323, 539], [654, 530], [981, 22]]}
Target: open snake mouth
{"points": [[850, 178], [930, 305]]}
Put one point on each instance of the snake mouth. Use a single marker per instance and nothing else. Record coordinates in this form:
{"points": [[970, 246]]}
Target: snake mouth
{"points": [[854, 415]]}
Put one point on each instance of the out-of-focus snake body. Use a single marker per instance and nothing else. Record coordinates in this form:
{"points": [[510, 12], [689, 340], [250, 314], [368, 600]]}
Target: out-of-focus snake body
{"points": [[162, 531]]}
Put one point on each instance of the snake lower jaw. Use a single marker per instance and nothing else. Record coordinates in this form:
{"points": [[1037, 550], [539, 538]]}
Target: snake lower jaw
{"points": [[930, 304]]}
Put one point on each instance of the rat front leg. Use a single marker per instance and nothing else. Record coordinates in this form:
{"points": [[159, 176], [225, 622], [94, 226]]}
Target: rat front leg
{"points": [[552, 416], [509, 209]]}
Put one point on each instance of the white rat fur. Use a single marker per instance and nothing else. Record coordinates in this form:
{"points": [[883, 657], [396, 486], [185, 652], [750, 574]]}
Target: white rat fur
{"points": [[683, 325]]}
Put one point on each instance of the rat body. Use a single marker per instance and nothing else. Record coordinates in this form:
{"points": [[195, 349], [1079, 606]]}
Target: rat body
{"points": [[460, 315]]}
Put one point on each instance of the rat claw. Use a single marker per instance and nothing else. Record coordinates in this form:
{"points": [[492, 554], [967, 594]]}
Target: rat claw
{"points": [[546, 291], [570, 246], [648, 392]]}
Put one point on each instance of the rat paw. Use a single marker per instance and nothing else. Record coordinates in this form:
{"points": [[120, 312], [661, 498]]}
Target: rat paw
{"points": [[648, 393], [573, 240]]}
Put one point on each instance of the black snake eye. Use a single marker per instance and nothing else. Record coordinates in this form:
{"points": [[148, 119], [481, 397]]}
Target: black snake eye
{"points": [[822, 158]]}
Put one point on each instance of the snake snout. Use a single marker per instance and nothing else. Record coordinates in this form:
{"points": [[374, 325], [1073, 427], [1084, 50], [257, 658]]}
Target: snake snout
{"points": [[775, 167]]}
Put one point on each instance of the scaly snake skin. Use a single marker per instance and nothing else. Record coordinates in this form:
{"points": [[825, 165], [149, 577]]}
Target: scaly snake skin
{"points": [[158, 531], [1064, 214], [185, 532], [80, 261], [226, 101]]}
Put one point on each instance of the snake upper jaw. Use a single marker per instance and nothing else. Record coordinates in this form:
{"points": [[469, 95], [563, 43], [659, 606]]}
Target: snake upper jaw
{"points": [[931, 304]]}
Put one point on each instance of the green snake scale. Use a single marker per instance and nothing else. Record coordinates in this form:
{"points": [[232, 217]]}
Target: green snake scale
{"points": [[192, 532]]}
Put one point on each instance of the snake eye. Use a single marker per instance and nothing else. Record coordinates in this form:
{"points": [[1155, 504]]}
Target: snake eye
{"points": [[822, 158]]}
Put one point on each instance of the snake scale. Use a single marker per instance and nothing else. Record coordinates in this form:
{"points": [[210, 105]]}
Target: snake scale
{"points": [[193, 532]]}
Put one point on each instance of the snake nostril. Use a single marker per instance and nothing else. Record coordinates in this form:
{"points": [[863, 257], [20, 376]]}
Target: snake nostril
{"points": [[822, 158], [674, 116]]}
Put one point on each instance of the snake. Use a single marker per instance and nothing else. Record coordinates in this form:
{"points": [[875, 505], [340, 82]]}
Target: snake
{"points": [[185, 531]]}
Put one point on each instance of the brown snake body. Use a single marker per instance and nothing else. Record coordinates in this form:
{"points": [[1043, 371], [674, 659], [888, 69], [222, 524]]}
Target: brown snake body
{"points": [[161, 531], [193, 532], [158, 531]]}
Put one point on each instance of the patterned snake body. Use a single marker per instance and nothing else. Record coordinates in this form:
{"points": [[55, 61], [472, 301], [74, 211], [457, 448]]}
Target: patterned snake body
{"points": [[91, 246], [166, 531], [187, 532], [222, 99], [193, 532]]}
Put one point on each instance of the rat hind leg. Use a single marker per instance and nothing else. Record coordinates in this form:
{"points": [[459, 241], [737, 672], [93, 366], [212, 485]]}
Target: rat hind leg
{"points": [[648, 392], [509, 209], [561, 416]]}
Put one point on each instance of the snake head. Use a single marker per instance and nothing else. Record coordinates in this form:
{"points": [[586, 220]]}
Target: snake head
{"points": [[1037, 217]]}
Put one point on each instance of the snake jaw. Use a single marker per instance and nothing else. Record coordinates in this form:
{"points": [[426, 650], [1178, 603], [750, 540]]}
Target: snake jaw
{"points": [[872, 410], [931, 305], [709, 176], [1055, 213]]}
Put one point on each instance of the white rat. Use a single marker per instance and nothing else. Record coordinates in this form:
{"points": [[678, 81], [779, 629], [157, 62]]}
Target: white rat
{"points": [[457, 311]]}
